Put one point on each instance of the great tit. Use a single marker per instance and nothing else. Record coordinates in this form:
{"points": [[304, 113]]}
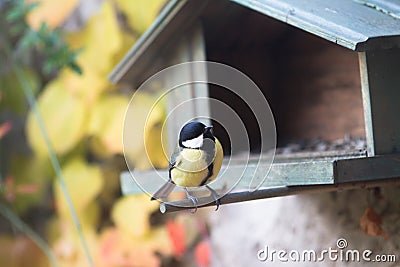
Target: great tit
{"points": [[196, 162]]}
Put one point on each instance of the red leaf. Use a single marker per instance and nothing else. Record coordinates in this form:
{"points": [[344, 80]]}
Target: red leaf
{"points": [[202, 254], [11, 190], [27, 189], [4, 128], [177, 234], [371, 223]]}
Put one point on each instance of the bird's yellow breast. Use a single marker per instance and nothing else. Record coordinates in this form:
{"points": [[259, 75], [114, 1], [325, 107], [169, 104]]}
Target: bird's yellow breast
{"points": [[191, 166]]}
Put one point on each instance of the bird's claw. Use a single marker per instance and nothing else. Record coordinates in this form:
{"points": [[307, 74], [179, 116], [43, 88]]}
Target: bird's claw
{"points": [[217, 203], [193, 199], [215, 196]]}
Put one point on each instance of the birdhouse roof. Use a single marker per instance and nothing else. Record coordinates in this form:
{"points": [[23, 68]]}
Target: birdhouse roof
{"points": [[359, 25]]}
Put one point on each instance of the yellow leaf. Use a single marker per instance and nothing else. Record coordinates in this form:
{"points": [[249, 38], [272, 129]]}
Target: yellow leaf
{"points": [[159, 240], [64, 119], [155, 145], [127, 42], [53, 12], [106, 122], [101, 39], [88, 86], [131, 214], [140, 13], [83, 182], [143, 142], [136, 116], [89, 217]]}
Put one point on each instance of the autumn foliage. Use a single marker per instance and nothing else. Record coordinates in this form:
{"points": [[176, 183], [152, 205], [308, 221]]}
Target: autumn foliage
{"points": [[83, 117], [371, 223]]}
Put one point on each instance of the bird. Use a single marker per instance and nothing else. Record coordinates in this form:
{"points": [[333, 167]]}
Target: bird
{"points": [[196, 162]]}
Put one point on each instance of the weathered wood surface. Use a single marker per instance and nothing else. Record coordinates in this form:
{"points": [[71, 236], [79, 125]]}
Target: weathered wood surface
{"points": [[358, 25], [381, 95], [295, 169], [273, 192]]}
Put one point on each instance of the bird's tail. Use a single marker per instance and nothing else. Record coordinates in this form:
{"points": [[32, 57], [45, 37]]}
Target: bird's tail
{"points": [[164, 191]]}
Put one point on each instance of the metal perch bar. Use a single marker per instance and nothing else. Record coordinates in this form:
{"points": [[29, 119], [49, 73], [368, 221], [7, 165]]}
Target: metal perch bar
{"points": [[186, 204]]}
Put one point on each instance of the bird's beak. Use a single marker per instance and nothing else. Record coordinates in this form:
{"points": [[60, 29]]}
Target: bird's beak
{"points": [[208, 129]]}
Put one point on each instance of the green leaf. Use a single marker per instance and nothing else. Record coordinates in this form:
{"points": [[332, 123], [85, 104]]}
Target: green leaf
{"points": [[16, 29], [19, 10], [14, 15], [30, 38], [75, 67], [31, 6]]}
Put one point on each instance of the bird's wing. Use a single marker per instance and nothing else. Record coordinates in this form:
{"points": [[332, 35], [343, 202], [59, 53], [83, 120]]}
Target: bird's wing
{"points": [[174, 160], [169, 186]]}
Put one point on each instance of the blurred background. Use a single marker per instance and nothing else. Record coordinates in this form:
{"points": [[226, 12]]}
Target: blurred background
{"points": [[61, 153], [61, 131]]}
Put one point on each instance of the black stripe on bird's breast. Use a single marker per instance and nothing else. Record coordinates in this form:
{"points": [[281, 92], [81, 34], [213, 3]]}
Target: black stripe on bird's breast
{"points": [[209, 148], [209, 174]]}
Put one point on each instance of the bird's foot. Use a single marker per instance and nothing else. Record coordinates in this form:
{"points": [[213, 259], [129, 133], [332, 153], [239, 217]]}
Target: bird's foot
{"points": [[215, 196], [193, 199]]}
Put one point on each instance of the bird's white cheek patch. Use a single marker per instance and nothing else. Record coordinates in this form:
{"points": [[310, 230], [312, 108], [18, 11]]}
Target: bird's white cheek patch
{"points": [[194, 143]]}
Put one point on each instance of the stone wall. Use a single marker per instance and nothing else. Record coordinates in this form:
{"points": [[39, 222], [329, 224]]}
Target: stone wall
{"points": [[304, 222]]}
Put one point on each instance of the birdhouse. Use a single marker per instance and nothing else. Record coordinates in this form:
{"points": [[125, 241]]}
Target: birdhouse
{"points": [[330, 71]]}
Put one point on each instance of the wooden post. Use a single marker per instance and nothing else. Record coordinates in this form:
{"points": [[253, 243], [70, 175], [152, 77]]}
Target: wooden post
{"points": [[190, 48], [380, 82]]}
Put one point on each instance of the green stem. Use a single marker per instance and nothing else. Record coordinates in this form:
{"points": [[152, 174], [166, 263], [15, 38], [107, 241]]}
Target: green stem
{"points": [[17, 222], [53, 158]]}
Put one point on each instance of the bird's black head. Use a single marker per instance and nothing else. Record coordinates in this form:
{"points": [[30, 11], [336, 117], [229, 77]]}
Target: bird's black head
{"points": [[192, 135]]}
